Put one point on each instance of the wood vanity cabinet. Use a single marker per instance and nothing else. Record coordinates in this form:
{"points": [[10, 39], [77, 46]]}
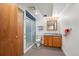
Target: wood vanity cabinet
{"points": [[52, 41]]}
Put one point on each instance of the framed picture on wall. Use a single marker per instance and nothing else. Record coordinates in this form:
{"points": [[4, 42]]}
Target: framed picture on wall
{"points": [[40, 28]]}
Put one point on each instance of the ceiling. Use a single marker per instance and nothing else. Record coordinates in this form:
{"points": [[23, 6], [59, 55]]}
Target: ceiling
{"points": [[43, 8], [59, 8]]}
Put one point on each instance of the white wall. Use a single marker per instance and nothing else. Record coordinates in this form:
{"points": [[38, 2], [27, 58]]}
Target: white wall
{"points": [[58, 8], [70, 19], [39, 22]]}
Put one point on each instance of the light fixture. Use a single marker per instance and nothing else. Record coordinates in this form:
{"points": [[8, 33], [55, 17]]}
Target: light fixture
{"points": [[32, 8]]}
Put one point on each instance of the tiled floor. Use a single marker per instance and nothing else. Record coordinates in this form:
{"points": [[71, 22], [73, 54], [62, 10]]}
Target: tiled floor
{"points": [[44, 51]]}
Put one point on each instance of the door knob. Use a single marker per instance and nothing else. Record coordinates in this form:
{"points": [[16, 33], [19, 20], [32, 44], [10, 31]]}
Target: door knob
{"points": [[16, 36]]}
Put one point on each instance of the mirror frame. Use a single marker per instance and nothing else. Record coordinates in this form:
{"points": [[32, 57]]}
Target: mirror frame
{"points": [[52, 23]]}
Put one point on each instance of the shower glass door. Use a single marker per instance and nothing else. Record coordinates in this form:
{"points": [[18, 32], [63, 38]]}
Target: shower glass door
{"points": [[30, 32]]}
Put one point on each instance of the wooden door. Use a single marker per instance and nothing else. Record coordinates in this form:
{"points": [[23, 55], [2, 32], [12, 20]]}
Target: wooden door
{"points": [[7, 30], [11, 30], [19, 34], [56, 41]]}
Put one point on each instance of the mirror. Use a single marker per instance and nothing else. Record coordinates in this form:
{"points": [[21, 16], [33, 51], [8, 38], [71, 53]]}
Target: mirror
{"points": [[52, 25]]}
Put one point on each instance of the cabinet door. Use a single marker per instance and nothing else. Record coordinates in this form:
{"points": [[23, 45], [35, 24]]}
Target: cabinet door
{"points": [[46, 40], [56, 41], [50, 41]]}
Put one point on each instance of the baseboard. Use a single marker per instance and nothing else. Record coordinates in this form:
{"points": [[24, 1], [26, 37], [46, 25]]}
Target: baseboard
{"points": [[29, 48], [66, 54]]}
